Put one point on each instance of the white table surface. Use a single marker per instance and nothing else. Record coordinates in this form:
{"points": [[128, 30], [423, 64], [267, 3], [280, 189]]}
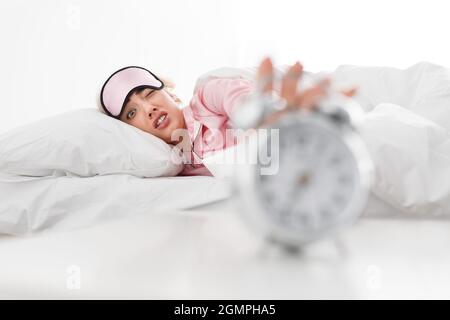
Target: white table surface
{"points": [[208, 253]]}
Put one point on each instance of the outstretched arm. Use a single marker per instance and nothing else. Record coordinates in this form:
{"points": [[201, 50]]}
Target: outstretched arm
{"points": [[217, 98]]}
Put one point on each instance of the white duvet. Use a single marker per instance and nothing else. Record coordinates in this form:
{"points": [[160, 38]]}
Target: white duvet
{"points": [[406, 129]]}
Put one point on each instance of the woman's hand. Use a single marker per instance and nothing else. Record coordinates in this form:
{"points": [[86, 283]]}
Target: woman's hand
{"points": [[294, 98]]}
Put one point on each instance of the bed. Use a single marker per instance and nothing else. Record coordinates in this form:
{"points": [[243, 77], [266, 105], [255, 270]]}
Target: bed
{"points": [[139, 232], [207, 252]]}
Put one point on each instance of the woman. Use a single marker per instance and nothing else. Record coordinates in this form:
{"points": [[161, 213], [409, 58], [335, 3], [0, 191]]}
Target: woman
{"points": [[138, 97]]}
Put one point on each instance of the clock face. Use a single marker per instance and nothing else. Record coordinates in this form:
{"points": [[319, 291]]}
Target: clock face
{"points": [[316, 180]]}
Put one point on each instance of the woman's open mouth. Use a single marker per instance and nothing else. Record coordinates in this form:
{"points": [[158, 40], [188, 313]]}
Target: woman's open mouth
{"points": [[162, 121]]}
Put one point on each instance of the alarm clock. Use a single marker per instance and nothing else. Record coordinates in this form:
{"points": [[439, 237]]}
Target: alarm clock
{"points": [[323, 170]]}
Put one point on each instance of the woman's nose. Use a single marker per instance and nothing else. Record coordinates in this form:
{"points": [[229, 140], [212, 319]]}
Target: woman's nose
{"points": [[152, 110]]}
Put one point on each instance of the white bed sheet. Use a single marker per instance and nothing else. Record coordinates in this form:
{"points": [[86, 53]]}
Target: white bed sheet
{"points": [[33, 204], [208, 253], [46, 204]]}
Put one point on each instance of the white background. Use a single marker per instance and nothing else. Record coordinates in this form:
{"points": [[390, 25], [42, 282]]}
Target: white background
{"points": [[55, 54]]}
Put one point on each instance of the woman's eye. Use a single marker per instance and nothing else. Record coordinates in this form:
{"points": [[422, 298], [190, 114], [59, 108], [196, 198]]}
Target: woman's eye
{"points": [[131, 114]]}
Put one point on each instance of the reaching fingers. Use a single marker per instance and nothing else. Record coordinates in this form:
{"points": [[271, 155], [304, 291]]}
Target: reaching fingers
{"points": [[350, 92], [290, 82], [324, 83], [272, 118], [304, 99], [308, 99], [264, 76]]}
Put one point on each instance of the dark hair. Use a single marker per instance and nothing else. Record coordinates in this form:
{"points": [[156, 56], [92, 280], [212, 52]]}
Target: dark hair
{"points": [[136, 90]]}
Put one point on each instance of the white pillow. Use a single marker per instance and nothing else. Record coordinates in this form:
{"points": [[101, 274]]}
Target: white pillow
{"points": [[85, 142]]}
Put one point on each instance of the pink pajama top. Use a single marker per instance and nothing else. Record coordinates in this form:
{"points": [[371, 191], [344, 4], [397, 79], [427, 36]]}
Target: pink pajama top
{"points": [[208, 116]]}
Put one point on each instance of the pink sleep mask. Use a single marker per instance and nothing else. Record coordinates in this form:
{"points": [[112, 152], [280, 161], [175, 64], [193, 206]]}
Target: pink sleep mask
{"points": [[120, 85]]}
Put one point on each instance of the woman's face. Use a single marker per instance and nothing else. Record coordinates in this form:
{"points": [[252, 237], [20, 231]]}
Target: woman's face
{"points": [[155, 112]]}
